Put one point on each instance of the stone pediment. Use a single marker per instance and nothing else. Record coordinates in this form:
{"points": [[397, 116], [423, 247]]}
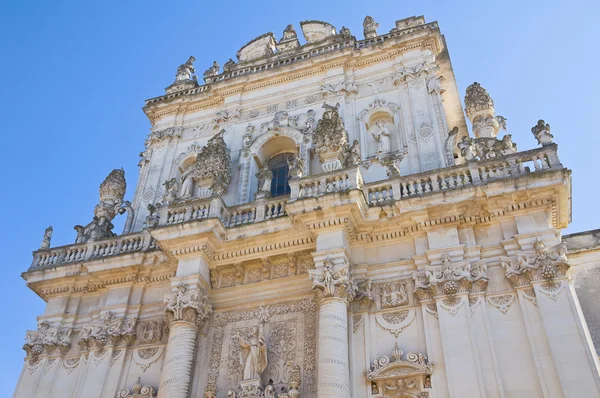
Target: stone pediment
{"points": [[316, 30], [262, 46]]}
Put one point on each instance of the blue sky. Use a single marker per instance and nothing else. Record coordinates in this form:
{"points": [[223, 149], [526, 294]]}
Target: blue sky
{"points": [[74, 75]]}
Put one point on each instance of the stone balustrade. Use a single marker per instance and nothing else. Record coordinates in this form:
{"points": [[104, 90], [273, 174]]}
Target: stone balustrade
{"points": [[130, 243], [473, 173], [377, 193], [319, 185]]}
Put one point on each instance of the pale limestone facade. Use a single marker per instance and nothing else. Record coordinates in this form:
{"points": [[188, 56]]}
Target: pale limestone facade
{"points": [[386, 254]]}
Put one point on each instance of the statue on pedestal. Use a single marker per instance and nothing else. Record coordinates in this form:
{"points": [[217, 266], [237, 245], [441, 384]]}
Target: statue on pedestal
{"points": [[541, 132], [295, 167], [186, 71], [46, 239], [352, 155], [265, 176]]}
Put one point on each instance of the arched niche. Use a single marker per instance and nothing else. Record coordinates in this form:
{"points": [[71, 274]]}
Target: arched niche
{"points": [[387, 112], [378, 121], [268, 145]]}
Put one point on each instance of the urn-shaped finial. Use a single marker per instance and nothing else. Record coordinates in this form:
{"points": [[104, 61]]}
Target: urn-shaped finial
{"points": [[113, 187], [397, 353], [477, 99]]}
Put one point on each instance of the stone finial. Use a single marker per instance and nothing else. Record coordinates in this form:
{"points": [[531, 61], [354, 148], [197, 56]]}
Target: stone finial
{"points": [[289, 39], [541, 131], [330, 138], [477, 100], [345, 32], [112, 192], [370, 27], [480, 110], [113, 187], [211, 72], [46, 239]]}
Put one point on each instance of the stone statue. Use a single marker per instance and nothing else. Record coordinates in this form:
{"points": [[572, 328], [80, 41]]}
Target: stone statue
{"points": [[352, 155], [213, 70], [269, 391], [46, 239], [186, 71], [265, 176], [253, 354], [151, 220], [541, 131], [449, 146], [228, 65], [345, 32], [171, 190], [187, 182], [383, 138], [295, 167], [501, 122], [467, 148], [370, 27], [390, 162], [112, 192]]}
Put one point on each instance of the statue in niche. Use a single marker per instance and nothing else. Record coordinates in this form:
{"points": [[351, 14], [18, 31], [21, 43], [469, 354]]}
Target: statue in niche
{"points": [[352, 155], [186, 71], [265, 176], [46, 239], [253, 354], [171, 189], [383, 137], [187, 182], [295, 167]]}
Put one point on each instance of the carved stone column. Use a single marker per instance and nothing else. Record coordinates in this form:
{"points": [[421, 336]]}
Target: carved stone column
{"points": [[186, 312], [334, 290]]}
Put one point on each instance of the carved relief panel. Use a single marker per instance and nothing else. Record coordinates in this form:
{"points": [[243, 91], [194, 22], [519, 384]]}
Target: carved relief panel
{"points": [[290, 333]]}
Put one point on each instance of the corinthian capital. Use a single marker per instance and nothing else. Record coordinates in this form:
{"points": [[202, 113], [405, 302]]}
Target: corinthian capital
{"points": [[185, 305], [450, 279], [543, 265], [330, 283]]}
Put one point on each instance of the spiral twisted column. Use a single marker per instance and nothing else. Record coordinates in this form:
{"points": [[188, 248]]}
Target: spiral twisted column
{"points": [[186, 312]]}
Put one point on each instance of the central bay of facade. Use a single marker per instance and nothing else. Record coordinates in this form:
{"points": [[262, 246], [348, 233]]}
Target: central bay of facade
{"points": [[315, 221]]}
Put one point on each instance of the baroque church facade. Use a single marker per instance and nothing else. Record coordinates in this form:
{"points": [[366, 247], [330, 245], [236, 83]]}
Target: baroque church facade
{"points": [[316, 220]]}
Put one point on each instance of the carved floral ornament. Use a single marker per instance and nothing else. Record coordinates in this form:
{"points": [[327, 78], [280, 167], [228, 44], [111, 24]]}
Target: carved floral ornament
{"points": [[477, 100], [190, 306], [46, 339], [108, 330], [450, 279], [545, 265], [400, 377]]}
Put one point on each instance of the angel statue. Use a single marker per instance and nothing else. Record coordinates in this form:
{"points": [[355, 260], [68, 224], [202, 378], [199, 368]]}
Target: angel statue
{"points": [[295, 167], [47, 237], [186, 71], [253, 353], [352, 155], [171, 190]]}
